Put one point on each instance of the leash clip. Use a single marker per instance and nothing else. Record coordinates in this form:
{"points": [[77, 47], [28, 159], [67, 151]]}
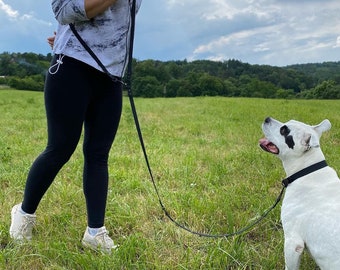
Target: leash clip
{"points": [[285, 182]]}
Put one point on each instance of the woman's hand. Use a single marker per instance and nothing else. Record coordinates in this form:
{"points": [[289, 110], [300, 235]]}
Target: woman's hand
{"points": [[50, 40]]}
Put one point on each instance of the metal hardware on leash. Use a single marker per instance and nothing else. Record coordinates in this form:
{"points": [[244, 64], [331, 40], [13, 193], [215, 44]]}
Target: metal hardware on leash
{"points": [[140, 135]]}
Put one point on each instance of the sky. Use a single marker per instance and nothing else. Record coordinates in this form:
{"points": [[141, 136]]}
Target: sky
{"points": [[270, 32]]}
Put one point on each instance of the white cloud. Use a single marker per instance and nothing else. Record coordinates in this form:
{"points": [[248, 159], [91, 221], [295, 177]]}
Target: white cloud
{"points": [[219, 9], [261, 47], [25, 31], [9, 11], [253, 39], [16, 17], [337, 43], [275, 32], [270, 32]]}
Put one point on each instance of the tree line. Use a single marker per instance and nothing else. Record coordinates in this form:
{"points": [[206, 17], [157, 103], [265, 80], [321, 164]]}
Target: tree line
{"points": [[230, 78]]}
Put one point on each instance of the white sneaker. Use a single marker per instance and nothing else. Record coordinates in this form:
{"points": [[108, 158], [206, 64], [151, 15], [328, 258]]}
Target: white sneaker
{"points": [[99, 242], [22, 224]]}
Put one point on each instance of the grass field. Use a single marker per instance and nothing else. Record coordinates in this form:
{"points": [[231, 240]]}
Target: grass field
{"points": [[211, 174]]}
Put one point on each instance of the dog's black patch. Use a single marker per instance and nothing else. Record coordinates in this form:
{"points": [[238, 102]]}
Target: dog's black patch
{"points": [[290, 141], [284, 131]]}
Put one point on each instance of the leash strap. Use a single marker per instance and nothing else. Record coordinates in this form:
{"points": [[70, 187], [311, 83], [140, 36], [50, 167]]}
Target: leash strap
{"points": [[140, 135], [133, 107]]}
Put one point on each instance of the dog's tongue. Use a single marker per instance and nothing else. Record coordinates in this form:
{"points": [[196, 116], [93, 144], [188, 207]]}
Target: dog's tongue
{"points": [[268, 146]]}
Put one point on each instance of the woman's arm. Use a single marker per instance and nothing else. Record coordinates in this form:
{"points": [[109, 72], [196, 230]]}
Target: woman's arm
{"points": [[95, 7], [70, 11]]}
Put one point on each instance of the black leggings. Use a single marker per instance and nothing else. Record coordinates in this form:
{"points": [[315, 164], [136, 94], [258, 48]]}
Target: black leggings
{"points": [[77, 94]]}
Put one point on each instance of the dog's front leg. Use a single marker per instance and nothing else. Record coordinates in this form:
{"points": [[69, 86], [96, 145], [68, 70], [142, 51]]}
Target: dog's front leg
{"points": [[293, 249]]}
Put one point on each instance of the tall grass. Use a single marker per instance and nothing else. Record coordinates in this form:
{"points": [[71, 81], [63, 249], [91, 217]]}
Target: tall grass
{"points": [[211, 175]]}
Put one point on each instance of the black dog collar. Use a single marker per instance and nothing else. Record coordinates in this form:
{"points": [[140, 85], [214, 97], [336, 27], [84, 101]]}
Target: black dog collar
{"points": [[304, 172]]}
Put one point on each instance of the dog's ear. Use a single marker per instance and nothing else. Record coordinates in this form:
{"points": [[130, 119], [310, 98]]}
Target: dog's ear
{"points": [[309, 141], [312, 141], [322, 127]]}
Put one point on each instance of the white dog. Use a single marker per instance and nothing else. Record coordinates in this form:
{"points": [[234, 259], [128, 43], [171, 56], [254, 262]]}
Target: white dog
{"points": [[310, 210]]}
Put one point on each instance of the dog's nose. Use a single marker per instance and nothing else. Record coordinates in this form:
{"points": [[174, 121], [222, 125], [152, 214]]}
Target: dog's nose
{"points": [[267, 120]]}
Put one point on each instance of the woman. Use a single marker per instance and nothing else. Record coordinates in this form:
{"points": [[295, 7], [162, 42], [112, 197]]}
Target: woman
{"points": [[77, 93]]}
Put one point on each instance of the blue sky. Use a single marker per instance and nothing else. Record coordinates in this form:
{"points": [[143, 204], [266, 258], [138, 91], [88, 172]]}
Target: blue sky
{"points": [[274, 32]]}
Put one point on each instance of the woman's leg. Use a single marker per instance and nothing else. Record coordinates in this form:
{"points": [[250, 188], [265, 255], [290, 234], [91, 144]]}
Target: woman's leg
{"points": [[101, 124], [66, 99]]}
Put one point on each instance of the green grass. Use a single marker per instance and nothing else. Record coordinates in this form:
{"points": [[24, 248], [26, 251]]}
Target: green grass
{"points": [[211, 174]]}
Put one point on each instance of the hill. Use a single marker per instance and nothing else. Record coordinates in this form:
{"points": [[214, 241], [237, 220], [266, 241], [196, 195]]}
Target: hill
{"points": [[232, 78], [320, 71]]}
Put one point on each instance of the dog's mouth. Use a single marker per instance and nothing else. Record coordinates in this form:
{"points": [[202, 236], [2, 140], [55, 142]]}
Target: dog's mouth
{"points": [[268, 146]]}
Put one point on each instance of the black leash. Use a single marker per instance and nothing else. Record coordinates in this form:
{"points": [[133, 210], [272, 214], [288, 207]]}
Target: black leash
{"points": [[285, 182], [140, 136]]}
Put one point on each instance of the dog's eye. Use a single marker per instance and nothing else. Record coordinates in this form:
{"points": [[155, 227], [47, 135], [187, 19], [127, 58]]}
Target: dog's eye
{"points": [[284, 130]]}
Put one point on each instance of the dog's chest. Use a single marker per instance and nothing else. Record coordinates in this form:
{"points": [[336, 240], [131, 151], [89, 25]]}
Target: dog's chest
{"points": [[311, 200]]}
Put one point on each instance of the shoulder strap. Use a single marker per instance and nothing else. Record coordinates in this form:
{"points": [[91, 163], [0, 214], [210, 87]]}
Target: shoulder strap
{"points": [[93, 55]]}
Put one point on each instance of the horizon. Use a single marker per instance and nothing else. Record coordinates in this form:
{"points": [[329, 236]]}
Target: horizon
{"points": [[193, 60]]}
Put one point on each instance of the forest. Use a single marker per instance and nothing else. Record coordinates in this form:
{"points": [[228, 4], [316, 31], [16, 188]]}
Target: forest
{"points": [[182, 78]]}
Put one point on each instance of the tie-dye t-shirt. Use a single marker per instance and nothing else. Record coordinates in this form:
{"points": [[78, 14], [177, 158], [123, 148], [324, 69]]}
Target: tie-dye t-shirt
{"points": [[107, 34]]}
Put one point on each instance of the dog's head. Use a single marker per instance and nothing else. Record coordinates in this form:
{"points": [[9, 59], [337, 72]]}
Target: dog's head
{"points": [[292, 138]]}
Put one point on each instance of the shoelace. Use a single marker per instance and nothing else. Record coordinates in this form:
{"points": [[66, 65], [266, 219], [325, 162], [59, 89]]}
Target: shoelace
{"points": [[107, 242], [28, 224], [56, 65], [104, 236]]}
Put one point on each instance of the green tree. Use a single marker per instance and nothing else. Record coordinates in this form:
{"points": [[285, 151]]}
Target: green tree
{"points": [[285, 94], [210, 85], [326, 90], [172, 87], [147, 86]]}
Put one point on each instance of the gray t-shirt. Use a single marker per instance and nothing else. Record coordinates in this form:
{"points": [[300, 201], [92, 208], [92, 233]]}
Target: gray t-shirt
{"points": [[107, 34]]}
